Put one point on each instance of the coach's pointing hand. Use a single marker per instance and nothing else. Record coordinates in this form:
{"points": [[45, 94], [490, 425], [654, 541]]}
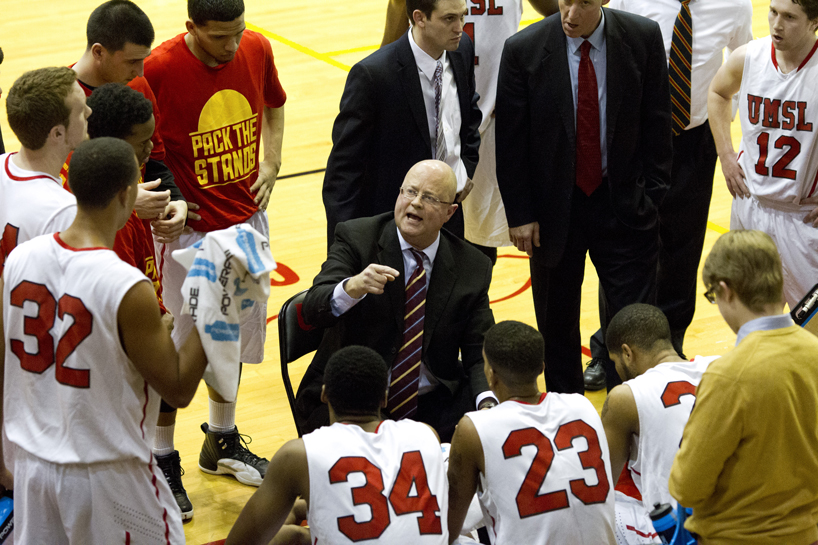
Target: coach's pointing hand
{"points": [[372, 280]]}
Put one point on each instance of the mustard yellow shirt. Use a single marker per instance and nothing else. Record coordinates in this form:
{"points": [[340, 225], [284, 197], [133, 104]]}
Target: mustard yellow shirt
{"points": [[748, 464]]}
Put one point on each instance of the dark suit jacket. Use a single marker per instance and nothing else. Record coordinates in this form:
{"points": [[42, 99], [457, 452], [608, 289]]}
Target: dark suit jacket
{"points": [[457, 310], [536, 137], [382, 130]]}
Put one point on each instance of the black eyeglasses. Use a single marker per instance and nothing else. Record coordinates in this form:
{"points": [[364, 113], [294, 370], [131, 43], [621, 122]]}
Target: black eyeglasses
{"points": [[410, 194], [710, 294]]}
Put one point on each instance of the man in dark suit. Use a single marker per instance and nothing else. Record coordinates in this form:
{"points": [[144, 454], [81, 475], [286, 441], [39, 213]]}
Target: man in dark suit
{"points": [[364, 295], [398, 108], [583, 162]]}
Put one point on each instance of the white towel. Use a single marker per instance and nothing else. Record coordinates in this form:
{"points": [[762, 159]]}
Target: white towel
{"points": [[228, 272]]}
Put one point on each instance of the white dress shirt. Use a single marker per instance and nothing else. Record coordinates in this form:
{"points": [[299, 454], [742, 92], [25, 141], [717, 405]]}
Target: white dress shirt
{"points": [[341, 302], [716, 24], [598, 55], [449, 108]]}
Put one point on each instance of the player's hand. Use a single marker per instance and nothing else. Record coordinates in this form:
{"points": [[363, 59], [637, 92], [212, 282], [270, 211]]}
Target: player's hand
{"points": [[151, 204], [525, 237], [6, 479], [167, 321], [191, 216], [263, 187], [465, 193], [373, 279], [812, 216], [170, 227], [734, 175], [292, 535]]}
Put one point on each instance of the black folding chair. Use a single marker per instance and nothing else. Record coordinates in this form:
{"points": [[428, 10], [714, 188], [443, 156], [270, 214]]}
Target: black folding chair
{"points": [[295, 338]]}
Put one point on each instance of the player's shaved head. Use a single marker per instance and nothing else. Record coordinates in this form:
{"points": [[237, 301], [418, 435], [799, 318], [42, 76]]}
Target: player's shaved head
{"points": [[100, 169], [37, 102], [639, 326], [116, 109], [117, 22], [202, 11], [515, 352], [355, 380]]}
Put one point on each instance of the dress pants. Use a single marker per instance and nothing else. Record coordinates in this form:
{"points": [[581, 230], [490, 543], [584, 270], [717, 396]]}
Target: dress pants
{"points": [[626, 262], [682, 227]]}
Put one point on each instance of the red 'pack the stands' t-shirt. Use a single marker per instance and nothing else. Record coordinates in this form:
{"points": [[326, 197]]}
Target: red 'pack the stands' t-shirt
{"points": [[211, 124]]}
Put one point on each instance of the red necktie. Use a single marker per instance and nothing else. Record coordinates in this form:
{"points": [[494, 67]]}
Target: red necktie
{"points": [[589, 149], [403, 389]]}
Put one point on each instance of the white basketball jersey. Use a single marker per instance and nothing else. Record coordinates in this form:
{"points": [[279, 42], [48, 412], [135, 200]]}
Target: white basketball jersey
{"points": [[72, 396], [548, 472], [386, 488], [664, 398], [489, 23], [778, 116], [31, 204]]}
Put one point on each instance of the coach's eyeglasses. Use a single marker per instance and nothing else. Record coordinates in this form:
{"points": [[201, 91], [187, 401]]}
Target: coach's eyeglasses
{"points": [[410, 194], [710, 294]]}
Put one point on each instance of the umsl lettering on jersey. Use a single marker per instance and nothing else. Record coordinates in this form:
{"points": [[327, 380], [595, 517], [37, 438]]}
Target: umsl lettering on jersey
{"points": [[775, 113], [225, 155]]}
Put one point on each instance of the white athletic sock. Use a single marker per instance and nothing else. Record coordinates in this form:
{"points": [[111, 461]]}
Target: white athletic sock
{"points": [[222, 416], [163, 440]]}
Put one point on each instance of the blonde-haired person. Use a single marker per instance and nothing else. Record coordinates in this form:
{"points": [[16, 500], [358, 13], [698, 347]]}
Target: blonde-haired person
{"points": [[748, 464]]}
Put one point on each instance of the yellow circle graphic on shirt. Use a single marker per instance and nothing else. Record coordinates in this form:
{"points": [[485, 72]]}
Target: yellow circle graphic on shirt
{"points": [[223, 109]]}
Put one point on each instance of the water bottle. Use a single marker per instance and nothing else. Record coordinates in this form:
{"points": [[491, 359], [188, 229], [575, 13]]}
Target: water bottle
{"points": [[663, 522], [6, 517]]}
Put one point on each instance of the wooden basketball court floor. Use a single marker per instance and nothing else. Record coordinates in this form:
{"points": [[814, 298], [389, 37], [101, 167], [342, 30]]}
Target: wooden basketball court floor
{"points": [[314, 43]]}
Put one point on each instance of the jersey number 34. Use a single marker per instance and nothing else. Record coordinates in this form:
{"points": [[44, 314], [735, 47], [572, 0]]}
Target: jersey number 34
{"points": [[411, 471]]}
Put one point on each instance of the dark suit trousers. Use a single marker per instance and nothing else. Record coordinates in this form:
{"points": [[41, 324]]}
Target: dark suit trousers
{"points": [[625, 260], [682, 227]]}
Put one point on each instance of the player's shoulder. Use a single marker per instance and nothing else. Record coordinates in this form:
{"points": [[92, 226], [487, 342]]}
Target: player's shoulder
{"points": [[573, 404], [165, 52]]}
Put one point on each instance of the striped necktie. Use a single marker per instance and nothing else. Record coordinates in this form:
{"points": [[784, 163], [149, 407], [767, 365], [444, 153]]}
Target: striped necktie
{"points": [[403, 389], [440, 141], [681, 58]]}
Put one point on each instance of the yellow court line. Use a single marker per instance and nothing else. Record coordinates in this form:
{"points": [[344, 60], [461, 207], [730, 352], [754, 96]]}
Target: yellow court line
{"points": [[353, 50], [717, 228], [298, 47]]}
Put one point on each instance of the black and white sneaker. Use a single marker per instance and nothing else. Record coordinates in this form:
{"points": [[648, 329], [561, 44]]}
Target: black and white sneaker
{"points": [[227, 454], [171, 466]]}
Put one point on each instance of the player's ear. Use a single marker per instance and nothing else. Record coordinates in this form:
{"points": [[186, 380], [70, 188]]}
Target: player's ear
{"points": [[96, 51], [385, 400], [323, 394], [418, 18], [190, 26], [57, 132]]}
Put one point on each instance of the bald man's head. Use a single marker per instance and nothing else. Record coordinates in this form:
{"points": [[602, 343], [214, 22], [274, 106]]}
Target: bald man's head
{"points": [[426, 202]]}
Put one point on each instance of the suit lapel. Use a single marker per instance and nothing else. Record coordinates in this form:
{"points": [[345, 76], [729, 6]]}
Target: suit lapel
{"points": [[389, 254], [618, 58], [408, 75], [441, 283], [555, 69]]}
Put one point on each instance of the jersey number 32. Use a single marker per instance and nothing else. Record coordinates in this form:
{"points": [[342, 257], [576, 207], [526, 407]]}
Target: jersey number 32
{"points": [[39, 326]]}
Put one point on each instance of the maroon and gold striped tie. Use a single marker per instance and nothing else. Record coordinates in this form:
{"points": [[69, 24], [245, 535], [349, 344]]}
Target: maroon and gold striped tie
{"points": [[679, 69], [403, 389]]}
